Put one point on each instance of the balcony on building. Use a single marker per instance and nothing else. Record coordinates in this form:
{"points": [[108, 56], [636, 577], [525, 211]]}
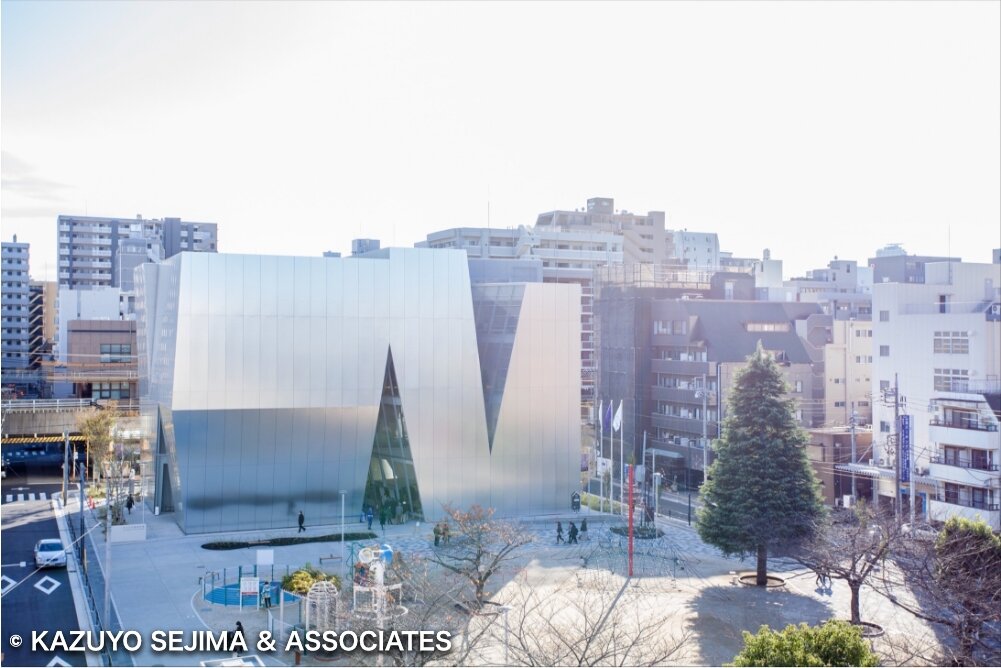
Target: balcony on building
{"points": [[965, 501]]}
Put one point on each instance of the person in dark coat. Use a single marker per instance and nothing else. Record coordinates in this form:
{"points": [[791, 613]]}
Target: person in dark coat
{"points": [[369, 516], [302, 522], [382, 519], [573, 534], [129, 503], [559, 533], [437, 534], [583, 528]]}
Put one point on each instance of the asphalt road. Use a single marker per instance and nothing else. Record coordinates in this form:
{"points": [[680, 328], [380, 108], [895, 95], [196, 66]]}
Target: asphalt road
{"points": [[672, 505], [26, 607]]}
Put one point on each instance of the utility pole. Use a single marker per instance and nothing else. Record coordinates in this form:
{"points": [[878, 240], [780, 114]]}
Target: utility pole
{"points": [[66, 464], [896, 449], [705, 427], [854, 452], [105, 621]]}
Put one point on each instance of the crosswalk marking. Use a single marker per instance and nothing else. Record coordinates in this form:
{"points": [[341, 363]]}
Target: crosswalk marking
{"points": [[10, 497], [41, 496], [31, 496]]}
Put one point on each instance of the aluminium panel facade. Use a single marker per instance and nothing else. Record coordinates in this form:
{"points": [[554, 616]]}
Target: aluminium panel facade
{"points": [[263, 379]]}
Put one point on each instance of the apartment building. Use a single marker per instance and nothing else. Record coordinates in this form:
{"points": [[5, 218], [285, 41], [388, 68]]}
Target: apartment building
{"points": [[566, 256], [16, 304], [940, 341], [672, 358], [831, 446], [699, 251], [41, 321], [848, 373], [90, 246], [644, 237]]}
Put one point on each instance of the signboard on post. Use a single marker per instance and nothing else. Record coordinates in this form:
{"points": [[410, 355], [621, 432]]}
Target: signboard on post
{"points": [[905, 448], [249, 587]]}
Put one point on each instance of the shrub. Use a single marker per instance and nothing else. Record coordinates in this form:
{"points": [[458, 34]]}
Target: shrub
{"points": [[300, 581], [835, 643]]}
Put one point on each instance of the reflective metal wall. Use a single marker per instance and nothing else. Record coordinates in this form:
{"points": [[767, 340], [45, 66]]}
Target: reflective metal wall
{"points": [[265, 376]]}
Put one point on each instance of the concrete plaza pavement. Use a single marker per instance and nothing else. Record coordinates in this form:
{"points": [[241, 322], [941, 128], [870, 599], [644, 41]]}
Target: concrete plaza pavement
{"points": [[156, 583]]}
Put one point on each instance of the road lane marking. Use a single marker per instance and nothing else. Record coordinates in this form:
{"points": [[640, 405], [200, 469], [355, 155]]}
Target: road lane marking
{"points": [[47, 585]]}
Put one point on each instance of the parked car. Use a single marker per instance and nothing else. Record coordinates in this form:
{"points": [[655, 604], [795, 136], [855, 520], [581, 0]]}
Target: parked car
{"points": [[920, 531], [50, 552]]}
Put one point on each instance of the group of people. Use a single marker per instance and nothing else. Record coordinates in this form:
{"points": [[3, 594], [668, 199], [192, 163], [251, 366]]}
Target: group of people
{"points": [[824, 580], [572, 533], [442, 533]]}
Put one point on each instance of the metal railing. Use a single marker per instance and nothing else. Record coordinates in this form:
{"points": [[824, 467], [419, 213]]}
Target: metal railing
{"points": [[38, 405], [967, 503], [977, 425], [964, 463]]}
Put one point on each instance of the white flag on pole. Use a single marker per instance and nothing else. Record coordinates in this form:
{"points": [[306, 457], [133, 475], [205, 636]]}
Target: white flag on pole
{"points": [[601, 415], [617, 420]]}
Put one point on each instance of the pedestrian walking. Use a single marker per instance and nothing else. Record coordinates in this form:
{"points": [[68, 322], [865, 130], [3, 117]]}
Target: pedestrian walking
{"points": [[559, 533], [129, 503], [437, 534], [446, 532], [583, 529], [302, 522], [266, 596], [820, 579], [382, 519], [239, 634], [369, 516], [573, 534]]}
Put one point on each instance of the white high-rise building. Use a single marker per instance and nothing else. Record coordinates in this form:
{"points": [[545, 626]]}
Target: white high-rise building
{"points": [[941, 340], [698, 250], [16, 304]]}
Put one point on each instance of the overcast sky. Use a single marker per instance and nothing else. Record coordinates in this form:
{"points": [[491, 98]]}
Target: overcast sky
{"points": [[813, 129]]}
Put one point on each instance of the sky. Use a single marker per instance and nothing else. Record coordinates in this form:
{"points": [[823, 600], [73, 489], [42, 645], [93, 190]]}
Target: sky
{"points": [[813, 129]]}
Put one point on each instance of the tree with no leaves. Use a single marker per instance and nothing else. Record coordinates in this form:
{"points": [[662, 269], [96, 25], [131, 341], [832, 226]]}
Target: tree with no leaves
{"points": [[110, 460], [849, 547], [761, 492], [592, 618], [479, 548], [956, 584]]}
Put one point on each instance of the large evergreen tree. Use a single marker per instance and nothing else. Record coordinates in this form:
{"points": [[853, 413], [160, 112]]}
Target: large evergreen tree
{"points": [[760, 493]]}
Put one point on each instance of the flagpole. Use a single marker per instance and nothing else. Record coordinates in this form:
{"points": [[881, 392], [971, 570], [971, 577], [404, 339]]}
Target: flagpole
{"points": [[622, 457]]}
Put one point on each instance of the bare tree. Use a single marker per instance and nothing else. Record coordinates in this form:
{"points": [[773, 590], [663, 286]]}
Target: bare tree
{"points": [[589, 619], [850, 546], [956, 585], [479, 547], [110, 459], [431, 598]]}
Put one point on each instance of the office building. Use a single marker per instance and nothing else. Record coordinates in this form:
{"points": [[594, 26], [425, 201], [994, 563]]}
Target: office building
{"points": [[362, 246], [831, 446], [893, 265], [89, 246], [101, 359], [16, 304], [272, 383]]}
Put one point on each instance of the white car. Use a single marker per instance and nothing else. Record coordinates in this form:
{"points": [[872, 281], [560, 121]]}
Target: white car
{"points": [[50, 552], [920, 531]]}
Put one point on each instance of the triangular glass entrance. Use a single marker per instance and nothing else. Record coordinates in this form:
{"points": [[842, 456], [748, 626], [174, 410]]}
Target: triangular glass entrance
{"points": [[496, 311], [391, 490]]}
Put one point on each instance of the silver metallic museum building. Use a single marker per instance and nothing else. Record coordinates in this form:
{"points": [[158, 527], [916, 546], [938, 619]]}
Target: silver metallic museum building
{"points": [[270, 384]]}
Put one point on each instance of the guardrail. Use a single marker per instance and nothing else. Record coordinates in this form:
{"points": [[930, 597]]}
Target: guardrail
{"points": [[38, 405]]}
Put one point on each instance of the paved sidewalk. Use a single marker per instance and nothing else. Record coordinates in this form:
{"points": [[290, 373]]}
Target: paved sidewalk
{"points": [[156, 583]]}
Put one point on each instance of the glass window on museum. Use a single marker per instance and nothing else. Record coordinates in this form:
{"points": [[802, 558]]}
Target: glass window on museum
{"points": [[951, 343]]}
